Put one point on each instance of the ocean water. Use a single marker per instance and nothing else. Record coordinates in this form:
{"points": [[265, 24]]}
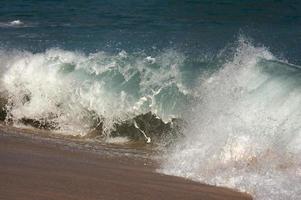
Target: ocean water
{"points": [[230, 70]]}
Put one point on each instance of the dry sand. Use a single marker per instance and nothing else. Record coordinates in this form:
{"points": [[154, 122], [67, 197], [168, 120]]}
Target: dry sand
{"points": [[40, 171]]}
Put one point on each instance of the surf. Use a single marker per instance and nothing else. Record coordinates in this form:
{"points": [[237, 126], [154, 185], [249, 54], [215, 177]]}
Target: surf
{"points": [[244, 132], [99, 94], [229, 120]]}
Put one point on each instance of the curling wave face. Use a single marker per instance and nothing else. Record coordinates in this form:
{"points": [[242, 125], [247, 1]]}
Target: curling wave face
{"points": [[245, 132], [73, 93]]}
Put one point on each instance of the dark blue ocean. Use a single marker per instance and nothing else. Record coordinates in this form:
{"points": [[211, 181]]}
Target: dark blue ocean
{"points": [[215, 86], [133, 25]]}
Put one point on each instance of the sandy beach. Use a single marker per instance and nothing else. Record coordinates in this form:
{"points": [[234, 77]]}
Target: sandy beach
{"points": [[36, 170]]}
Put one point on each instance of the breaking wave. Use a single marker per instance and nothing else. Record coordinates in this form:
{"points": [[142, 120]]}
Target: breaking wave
{"points": [[74, 93], [245, 131], [13, 24], [237, 113]]}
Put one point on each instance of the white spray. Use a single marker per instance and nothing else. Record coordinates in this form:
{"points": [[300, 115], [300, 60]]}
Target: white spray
{"points": [[245, 132]]}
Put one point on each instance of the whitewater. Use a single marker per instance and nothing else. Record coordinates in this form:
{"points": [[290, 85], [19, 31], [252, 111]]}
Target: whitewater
{"points": [[69, 90], [244, 132], [240, 108]]}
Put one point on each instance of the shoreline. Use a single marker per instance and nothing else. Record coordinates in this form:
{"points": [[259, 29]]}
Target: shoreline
{"points": [[36, 170]]}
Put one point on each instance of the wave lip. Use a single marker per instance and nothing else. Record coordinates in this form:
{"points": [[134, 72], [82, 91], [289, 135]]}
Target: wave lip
{"points": [[74, 93]]}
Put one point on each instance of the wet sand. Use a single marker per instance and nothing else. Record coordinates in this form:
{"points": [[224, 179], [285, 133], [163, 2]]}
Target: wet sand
{"points": [[42, 171]]}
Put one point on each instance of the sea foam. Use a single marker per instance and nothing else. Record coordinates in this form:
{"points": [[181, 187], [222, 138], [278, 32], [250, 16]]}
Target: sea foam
{"points": [[69, 90], [245, 130]]}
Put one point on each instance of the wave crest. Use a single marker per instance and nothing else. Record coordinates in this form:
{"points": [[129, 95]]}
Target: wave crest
{"points": [[70, 91], [244, 132]]}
